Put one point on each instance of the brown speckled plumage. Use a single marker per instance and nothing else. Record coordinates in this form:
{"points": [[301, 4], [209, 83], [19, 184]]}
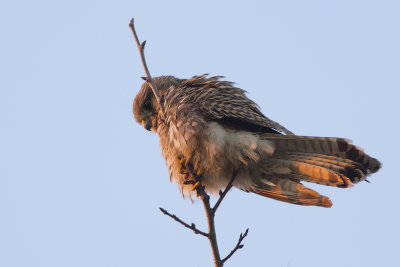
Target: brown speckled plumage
{"points": [[215, 127]]}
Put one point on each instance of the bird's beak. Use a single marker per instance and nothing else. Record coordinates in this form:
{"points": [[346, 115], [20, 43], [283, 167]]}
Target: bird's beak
{"points": [[147, 124]]}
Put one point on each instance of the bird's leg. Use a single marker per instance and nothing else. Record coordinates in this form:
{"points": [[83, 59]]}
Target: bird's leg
{"points": [[190, 176]]}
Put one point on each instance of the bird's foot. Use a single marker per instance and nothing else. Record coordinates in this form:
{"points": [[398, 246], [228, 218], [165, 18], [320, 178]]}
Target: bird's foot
{"points": [[192, 178], [189, 175]]}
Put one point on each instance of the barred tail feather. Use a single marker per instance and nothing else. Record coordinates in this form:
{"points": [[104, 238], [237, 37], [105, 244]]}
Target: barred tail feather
{"points": [[312, 172], [294, 193], [340, 148], [322, 160]]}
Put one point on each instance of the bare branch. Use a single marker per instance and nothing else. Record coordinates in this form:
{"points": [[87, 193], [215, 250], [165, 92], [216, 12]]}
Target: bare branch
{"points": [[212, 236], [228, 187], [149, 80], [192, 226], [238, 245]]}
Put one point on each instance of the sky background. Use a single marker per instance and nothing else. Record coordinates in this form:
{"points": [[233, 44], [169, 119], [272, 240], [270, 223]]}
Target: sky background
{"points": [[81, 181]]}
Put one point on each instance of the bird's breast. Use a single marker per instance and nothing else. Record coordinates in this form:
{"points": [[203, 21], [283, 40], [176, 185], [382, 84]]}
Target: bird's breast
{"points": [[211, 148]]}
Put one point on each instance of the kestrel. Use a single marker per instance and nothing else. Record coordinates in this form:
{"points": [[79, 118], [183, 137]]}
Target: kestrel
{"points": [[210, 128]]}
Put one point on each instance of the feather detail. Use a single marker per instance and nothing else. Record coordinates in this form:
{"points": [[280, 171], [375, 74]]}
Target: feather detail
{"points": [[321, 160], [341, 149], [223, 102], [313, 172], [294, 193]]}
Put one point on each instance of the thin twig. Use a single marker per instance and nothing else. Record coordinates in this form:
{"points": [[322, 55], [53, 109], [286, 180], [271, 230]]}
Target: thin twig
{"points": [[192, 226], [212, 236], [228, 187], [141, 46], [238, 245]]}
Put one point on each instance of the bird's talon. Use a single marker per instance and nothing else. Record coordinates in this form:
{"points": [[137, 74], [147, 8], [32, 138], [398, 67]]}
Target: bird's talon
{"points": [[190, 176], [188, 180], [195, 185]]}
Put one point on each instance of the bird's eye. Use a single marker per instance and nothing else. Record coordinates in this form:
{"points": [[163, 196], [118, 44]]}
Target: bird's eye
{"points": [[147, 106]]}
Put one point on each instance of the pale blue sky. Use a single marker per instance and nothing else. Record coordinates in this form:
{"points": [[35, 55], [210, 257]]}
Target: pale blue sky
{"points": [[81, 182]]}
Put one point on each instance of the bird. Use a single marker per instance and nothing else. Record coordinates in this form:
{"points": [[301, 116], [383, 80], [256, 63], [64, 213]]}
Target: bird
{"points": [[209, 128]]}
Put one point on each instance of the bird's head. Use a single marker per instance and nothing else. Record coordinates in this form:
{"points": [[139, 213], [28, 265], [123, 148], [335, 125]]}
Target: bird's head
{"points": [[145, 106]]}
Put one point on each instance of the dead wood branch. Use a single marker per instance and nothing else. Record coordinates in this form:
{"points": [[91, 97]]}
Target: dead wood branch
{"points": [[238, 245], [191, 226], [141, 46], [228, 187]]}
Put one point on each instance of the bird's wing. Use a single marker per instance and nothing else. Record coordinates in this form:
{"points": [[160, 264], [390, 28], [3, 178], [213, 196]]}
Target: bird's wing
{"points": [[227, 104]]}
